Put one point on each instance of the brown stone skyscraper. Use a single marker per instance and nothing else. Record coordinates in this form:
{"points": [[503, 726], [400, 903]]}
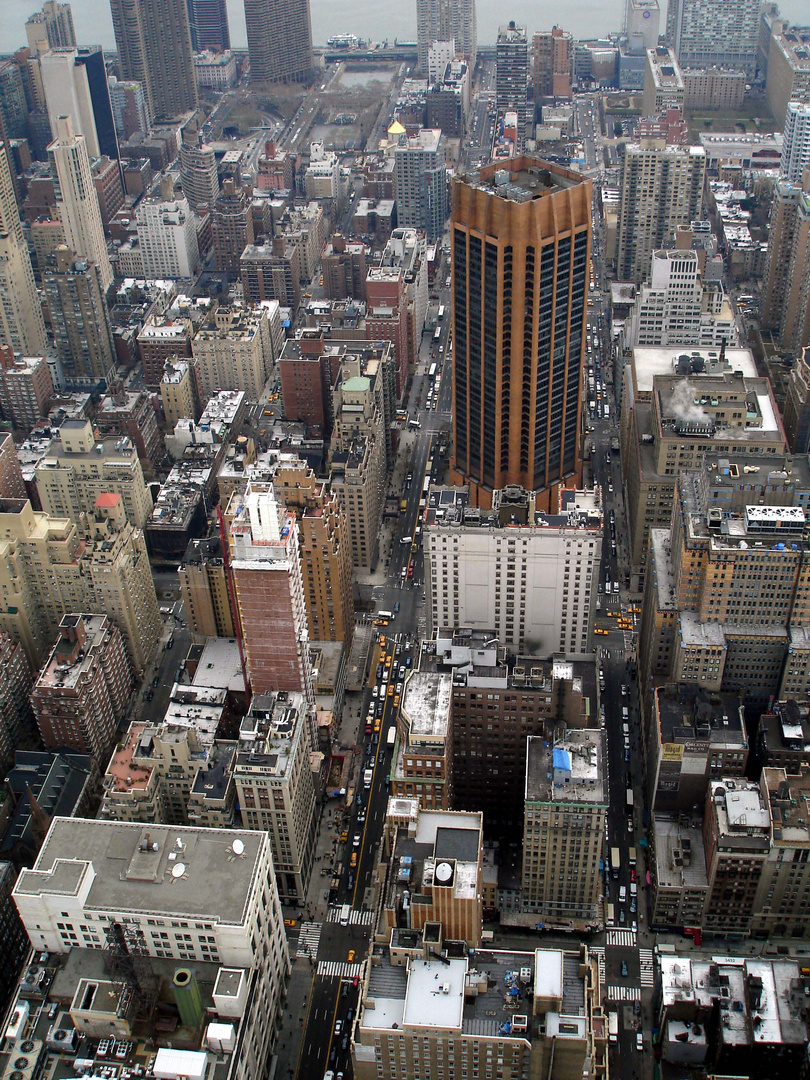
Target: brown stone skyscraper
{"points": [[279, 34], [153, 38], [521, 237]]}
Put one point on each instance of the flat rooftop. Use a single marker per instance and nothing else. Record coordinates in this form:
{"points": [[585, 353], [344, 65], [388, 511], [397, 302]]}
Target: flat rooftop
{"points": [[435, 994], [692, 714], [649, 362], [104, 862], [522, 179], [569, 770], [426, 704], [680, 858]]}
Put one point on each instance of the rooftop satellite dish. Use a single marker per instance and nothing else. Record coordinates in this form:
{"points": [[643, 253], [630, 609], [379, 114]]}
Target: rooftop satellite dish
{"points": [[238, 847], [178, 870]]}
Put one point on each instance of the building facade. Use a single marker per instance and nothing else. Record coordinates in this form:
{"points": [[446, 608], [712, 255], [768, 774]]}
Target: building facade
{"points": [[79, 318], [21, 322], [705, 32], [279, 41]]}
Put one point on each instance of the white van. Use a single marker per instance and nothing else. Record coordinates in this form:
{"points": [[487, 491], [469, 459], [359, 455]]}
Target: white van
{"points": [[368, 775], [344, 914]]}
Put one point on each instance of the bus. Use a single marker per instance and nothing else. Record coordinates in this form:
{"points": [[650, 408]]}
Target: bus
{"points": [[437, 333], [432, 371], [440, 316], [391, 737]]}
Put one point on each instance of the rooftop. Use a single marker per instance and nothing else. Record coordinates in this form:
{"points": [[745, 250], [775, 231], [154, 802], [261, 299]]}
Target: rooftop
{"points": [[740, 808], [680, 860], [426, 705], [690, 714], [522, 179], [121, 866], [649, 362], [569, 769]]}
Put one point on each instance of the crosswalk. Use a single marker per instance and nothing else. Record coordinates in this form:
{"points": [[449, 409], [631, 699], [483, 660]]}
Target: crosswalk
{"points": [[309, 938], [599, 952], [645, 958], [338, 969], [356, 918], [621, 937], [624, 993]]}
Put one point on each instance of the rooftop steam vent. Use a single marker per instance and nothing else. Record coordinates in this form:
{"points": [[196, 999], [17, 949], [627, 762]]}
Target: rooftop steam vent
{"points": [[188, 998]]}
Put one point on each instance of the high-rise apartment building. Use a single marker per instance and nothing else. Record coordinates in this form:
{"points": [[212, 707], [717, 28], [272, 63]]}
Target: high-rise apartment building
{"points": [[82, 692], [677, 308], [21, 323], [79, 319], [48, 569], [446, 20], [76, 199], [232, 224], [208, 20], [164, 337], [178, 392], [204, 589], [25, 389], [512, 76], [75, 84], [326, 558], [274, 786], [421, 182], [16, 680], [553, 61], [198, 171], [422, 763], [212, 906], [397, 299], [167, 234], [721, 32], [51, 28], [565, 813], [271, 271], [12, 484], [279, 40], [796, 144], [527, 575], [521, 234], [77, 469], [788, 68], [267, 578], [153, 39], [737, 840], [796, 413], [786, 286], [663, 82], [128, 103], [234, 351], [661, 188]]}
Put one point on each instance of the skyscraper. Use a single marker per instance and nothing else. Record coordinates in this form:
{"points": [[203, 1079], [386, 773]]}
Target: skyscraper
{"points": [[662, 188], [520, 250], [421, 182], [785, 308], [80, 319], [446, 20], [512, 75], [796, 146], [279, 34], [76, 198], [198, 172], [21, 323], [154, 46], [721, 32], [75, 83], [209, 25], [51, 28]]}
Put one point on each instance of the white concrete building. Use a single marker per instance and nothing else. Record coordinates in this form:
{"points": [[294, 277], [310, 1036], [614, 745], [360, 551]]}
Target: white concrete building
{"points": [[678, 308], [206, 897], [796, 146], [529, 577], [77, 201], [440, 54], [421, 182], [167, 233]]}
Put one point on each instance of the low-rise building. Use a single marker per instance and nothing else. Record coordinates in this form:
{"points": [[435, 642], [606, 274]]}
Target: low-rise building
{"points": [[663, 82], [181, 509], [215, 70], [422, 765]]}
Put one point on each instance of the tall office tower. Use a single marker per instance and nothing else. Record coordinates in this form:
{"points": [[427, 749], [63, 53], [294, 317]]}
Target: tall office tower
{"points": [[79, 318], [21, 323], [232, 224], [75, 84], [82, 692], [270, 595], [198, 172], [153, 38], [661, 188], [217, 884], [785, 307], [326, 555], [446, 20], [274, 787], [77, 200], [553, 60], [79, 469], [51, 28], [279, 40], [565, 812], [642, 20], [512, 75], [13, 106], [128, 104], [715, 32], [208, 20], [421, 181], [520, 250], [796, 145]]}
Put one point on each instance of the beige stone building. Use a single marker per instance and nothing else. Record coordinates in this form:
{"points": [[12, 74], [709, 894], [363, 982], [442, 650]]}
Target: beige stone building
{"points": [[788, 69], [78, 469], [178, 392], [233, 351], [785, 290], [204, 589]]}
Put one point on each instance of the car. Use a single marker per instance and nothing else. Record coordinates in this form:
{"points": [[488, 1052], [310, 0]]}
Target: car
{"points": [[328, 1075], [156, 680], [622, 917], [353, 860], [344, 1042], [390, 689], [625, 689], [396, 701], [150, 694], [350, 957], [627, 754], [361, 817], [624, 969], [600, 631], [368, 729], [356, 840], [629, 824], [344, 836], [338, 1026], [355, 981], [636, 1008], [639, 1041], [410, 570], [633, 874], [404, 540]]}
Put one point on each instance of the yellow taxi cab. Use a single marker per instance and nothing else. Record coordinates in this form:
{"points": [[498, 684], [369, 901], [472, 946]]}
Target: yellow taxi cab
{"points": [[390, 689], [289, 922], [634, 610], [381, 622], [388, 659], [344, 836], [377, 724], [600, 631], [396, 701], [353, 860], [350, 957]]}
